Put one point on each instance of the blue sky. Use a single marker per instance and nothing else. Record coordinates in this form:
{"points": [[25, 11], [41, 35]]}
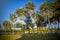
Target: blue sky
{"points": [[9, 6]]}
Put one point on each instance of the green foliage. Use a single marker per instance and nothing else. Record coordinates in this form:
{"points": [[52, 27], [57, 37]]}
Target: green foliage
{"points": [[17, 24], [56, 5], [13, 17], [7, 25], [46, 11], [30, 5], [20, 11]]}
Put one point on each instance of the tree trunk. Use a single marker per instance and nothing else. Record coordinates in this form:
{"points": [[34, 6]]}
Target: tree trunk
{"points": [[49, 22]]}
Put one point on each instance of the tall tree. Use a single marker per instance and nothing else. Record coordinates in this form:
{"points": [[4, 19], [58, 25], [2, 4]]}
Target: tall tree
{"points": [[7, 25], [46, 11], [30, 7], [29, 11], [13, 18], [21, 13], [56, 6]]}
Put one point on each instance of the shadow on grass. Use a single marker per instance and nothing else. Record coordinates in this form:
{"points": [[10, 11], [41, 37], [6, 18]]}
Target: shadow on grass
{"points": [[35, 36]]}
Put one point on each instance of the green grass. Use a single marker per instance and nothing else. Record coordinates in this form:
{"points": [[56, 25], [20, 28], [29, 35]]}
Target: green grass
{"points": [[39, 37], [31, 36], [9, 37]]}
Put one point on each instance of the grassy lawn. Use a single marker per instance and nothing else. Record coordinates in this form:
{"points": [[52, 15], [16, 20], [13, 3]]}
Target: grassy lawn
{"points": [[9, 37], [40, 35], [31, 36]]}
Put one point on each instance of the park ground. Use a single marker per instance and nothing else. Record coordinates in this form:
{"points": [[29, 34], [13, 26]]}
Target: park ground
{"points": [[33, 35]]}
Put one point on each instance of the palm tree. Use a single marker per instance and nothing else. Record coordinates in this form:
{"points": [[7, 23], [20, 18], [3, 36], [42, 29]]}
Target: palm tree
{"points": [[56, 6], [7, 25], [21, 13], [46, 11], [30, 7], [13, 18], [29, 11]]}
